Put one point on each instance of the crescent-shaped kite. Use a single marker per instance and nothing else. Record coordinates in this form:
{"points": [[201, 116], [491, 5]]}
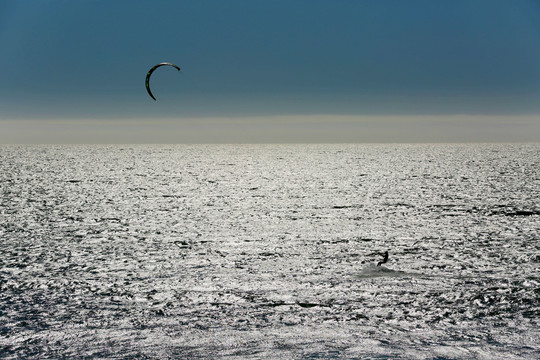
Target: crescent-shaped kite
{"points": [[150, 73]]}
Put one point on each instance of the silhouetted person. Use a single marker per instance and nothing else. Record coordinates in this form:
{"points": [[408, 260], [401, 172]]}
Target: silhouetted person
{"points": [[384, 260]]}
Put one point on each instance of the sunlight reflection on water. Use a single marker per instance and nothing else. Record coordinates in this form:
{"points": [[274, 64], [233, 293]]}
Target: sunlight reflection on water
{"points": [[269, 251]]}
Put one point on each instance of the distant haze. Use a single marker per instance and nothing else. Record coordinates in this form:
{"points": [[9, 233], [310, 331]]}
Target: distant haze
{"points": [[277, 129]]}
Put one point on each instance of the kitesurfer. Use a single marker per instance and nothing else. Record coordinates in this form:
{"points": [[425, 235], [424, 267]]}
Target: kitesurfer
{"points": [[384, 260]]}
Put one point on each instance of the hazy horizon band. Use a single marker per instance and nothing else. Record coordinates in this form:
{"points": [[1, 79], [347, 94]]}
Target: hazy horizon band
{"points": [[276, 129]]}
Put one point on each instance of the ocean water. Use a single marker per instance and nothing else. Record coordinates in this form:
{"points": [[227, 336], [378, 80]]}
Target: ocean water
{"points": [[270, 251]]}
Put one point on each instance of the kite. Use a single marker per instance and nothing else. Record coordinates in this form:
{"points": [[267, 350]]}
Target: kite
{"points": [[150, 73]]}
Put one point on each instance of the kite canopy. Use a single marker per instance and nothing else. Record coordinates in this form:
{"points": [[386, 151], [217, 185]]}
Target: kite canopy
{"points": [[150, 73]]}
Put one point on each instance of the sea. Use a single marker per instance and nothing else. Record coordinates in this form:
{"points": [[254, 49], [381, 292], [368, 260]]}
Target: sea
{"points": [[270, 251]]}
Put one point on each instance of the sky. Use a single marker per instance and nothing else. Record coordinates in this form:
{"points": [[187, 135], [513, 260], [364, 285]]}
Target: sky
{"points": [[270, 71]]}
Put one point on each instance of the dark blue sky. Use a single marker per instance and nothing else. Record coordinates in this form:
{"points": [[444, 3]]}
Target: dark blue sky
{"points": [[88, 59]]}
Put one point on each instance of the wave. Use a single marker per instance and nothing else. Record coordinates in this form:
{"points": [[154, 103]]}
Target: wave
{"points": [[374, 271]]}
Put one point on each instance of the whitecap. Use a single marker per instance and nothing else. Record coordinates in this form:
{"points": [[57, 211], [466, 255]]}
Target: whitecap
{"points": [[374, 271]]}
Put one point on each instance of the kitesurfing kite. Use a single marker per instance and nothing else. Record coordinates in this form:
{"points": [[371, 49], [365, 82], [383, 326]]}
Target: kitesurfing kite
{"points": [[150, 73]]}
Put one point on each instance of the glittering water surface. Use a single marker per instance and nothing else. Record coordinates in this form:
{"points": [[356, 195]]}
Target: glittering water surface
{"points": [[269, 251]]}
